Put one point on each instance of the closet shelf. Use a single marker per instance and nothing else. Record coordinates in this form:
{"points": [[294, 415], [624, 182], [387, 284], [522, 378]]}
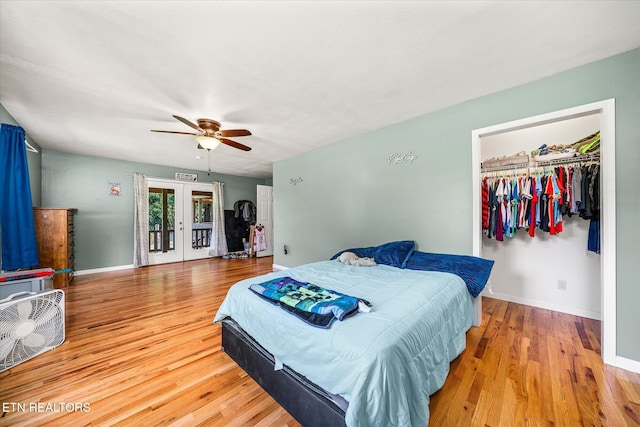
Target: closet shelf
{"points": [[534, 164]]}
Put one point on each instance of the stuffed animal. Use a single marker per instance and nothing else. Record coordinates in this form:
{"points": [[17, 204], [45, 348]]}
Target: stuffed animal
{"points": [[349, 258]]}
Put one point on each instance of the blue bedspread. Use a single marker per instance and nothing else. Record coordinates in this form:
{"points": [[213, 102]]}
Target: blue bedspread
{"points": [[385, 363]]}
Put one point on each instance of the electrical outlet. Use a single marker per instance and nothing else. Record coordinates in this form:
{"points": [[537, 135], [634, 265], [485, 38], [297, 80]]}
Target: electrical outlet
{"points": [[562, 285]]}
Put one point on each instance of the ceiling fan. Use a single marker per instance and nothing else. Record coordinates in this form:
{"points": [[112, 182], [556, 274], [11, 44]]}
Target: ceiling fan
{"points": [[210, 135]]}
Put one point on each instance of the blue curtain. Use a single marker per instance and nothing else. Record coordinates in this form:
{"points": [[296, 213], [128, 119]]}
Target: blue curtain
{"points": [[19, 248]]}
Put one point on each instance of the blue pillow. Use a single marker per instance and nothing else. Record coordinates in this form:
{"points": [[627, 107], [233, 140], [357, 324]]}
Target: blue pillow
{"points": [[395, 254]]}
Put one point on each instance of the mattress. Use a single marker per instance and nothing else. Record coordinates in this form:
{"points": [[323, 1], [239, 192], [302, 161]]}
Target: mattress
{"points": [[386, 362], [307, 402]]}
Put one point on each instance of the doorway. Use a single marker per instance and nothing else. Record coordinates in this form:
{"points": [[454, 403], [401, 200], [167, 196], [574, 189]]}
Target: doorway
{"points": [[179, 220], [264, 217], [606, 111], [554, 271]]}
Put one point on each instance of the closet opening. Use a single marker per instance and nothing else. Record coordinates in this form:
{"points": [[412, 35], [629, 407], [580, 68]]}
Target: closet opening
{"points": [[555, 271]]}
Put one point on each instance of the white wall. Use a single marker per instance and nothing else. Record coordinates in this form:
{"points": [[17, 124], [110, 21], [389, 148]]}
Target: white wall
{"points": [[527, 269]]}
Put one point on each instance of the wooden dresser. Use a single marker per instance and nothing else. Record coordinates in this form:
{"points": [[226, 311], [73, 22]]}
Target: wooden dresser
{"points": [[54, 235]]}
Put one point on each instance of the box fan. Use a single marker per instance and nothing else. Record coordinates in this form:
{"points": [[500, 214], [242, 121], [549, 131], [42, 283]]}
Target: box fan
{"points": [[30, 324]]}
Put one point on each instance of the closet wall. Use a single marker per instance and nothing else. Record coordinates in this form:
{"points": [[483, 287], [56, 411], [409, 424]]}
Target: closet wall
{"points": [[527, 269]]}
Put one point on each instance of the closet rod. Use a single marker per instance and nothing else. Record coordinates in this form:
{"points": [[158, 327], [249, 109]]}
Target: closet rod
{"points": [[577, 159]]}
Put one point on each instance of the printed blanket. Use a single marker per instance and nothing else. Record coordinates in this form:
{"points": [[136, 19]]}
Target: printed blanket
{"points": [[312, 304]]}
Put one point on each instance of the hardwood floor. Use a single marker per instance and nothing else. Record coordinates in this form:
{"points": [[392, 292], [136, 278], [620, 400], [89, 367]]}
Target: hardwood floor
{"points": [[535, 367], [141, 350]]}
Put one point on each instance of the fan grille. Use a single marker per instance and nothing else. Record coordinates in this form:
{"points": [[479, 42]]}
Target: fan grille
{"points": [[30, 326]]}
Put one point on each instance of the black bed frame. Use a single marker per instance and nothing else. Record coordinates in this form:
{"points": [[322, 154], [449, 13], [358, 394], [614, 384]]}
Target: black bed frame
{"points": [[305, 401]]}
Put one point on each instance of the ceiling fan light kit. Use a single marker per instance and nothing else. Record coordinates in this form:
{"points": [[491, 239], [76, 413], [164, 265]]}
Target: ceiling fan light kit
{"points": [[210, 135], [208, 142]]}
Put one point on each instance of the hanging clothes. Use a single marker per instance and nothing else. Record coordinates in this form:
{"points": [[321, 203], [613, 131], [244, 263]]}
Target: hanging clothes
{"points": [[576, 193], [500, 210], [245, 209], [259, 239], [534, 206], [540, 200], [593, 178], [485, 204]]}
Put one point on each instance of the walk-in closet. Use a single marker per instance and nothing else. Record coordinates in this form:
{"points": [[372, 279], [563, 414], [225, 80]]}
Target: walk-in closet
{"points": [[554, 271], [546, 243]]}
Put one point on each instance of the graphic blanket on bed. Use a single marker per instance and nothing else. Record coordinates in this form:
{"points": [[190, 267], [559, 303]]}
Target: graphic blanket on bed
{"points": [[312, 304]]}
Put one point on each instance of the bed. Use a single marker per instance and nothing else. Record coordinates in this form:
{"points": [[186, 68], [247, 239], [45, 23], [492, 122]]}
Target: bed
{"points": [[375, 368]]}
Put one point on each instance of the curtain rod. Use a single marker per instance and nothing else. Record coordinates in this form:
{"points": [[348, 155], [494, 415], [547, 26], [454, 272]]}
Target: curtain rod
{"points": [[30, 147]]}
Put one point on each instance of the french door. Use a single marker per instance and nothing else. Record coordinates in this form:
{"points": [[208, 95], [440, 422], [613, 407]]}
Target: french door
{"points": [[179, 220]]}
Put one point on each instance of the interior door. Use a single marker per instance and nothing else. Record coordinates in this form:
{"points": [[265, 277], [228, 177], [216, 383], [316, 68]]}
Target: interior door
{"points": [[264, 216], [166, 229]]}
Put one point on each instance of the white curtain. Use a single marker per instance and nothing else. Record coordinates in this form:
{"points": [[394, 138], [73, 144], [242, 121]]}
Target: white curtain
{"points": [[218, 238], [140, 221]]}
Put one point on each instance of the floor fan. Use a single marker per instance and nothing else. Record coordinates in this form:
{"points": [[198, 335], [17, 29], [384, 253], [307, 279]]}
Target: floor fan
{"points": [[30, 324]]}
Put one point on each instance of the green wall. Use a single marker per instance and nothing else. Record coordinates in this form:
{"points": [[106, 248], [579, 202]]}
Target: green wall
{"points": [[103, 226], [351, 196]]}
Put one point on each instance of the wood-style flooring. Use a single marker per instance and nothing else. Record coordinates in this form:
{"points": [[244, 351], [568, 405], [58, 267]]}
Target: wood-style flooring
{"points": [[141, 350]]}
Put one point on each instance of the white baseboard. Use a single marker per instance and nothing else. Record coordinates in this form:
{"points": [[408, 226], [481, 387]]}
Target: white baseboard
{"points": [[103, 270], [546, 305], [628, 364], [279, 267]]}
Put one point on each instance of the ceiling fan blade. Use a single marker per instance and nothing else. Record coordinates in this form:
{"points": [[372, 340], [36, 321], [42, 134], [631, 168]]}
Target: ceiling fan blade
{"points": [[234, 132], [235, 144], [171, 131], [188, 123]]}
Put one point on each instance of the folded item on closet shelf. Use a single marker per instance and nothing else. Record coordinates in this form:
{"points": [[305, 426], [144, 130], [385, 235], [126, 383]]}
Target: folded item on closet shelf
{"points": [[553, 149], [540, 150], [553, 156], [515, 159], [588, 144]]}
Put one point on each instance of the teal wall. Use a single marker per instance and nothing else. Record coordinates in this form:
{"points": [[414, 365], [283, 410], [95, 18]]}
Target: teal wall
{"points": [[103, 226], [351, 196]]}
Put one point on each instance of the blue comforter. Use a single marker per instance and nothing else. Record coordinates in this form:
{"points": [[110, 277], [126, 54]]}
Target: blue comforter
{"points": [[385, 363], [473, 270]]}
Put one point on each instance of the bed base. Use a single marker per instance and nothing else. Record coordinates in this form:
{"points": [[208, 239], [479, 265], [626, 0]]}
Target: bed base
{"points": [[305, 401]]}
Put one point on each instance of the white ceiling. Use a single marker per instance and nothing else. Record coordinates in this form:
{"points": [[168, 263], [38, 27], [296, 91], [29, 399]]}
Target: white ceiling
{"points": [[94, 77]]}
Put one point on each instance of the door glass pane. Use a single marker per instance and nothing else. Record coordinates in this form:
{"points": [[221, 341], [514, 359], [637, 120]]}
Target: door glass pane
{"points": [[201, 210], [161, 220]]}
